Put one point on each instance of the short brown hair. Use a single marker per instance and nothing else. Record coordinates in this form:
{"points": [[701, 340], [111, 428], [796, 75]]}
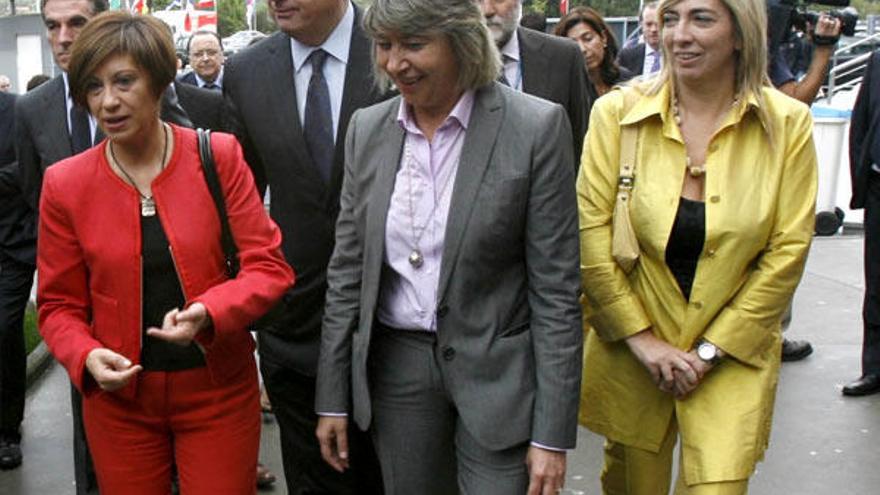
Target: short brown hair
{"points": [[146, 39]]}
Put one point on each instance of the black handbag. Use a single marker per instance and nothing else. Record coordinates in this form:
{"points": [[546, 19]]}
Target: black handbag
{"points": [[227, 241]]}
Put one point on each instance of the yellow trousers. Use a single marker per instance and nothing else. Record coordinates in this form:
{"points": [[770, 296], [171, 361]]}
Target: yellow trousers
{"points": [[634, 471]]}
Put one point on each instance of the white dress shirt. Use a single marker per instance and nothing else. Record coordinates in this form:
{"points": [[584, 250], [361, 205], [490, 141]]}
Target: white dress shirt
{"points": [[337, 46]]}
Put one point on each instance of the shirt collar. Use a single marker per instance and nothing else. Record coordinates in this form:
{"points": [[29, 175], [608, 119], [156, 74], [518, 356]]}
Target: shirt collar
{"points": [[337, 44], [66, 86], [461, 114], [510, 50], [219, 81], [649, 50], [660, 104]]}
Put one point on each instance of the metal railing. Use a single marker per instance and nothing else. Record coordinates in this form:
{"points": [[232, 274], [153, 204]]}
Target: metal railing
{"points": [[849, 67]]}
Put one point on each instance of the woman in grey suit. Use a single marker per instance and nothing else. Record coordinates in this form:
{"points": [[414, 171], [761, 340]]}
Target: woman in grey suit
{"points": [[452, 327]]}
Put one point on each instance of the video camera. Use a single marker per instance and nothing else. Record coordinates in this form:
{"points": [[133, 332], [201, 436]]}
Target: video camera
{"points": [[783, 14]]}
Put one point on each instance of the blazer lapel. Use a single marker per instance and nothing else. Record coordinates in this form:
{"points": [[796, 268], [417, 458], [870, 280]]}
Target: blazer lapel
{"points": [[534, 66], [357, 92], [55, 127], [387, 163], [479, 142], [279, 67]]}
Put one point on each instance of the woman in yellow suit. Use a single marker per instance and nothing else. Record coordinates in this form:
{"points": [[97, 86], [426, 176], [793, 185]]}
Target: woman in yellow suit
{"points": [[686, 345]]}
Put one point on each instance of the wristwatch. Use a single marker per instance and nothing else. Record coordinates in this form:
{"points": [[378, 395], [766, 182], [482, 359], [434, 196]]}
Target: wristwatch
{"points": [[707, 352]]}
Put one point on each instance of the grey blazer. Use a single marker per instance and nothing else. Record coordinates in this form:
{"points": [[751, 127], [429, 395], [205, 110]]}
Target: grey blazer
{"points": [[509, 322]]}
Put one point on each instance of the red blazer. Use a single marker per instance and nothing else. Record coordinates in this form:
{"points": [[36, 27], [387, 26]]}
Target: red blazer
{"points": [[89, 256]]}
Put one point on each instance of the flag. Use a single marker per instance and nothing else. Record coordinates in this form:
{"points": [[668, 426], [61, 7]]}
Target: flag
{"points": [[187, 23], [140, 7], [205, 4], [207, 19], [563, 7], [249, 13], [175, 5]]}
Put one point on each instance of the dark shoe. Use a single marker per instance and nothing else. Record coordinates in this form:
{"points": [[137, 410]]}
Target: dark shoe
{"points": [[866, 385], [795, 350], [10, 453], [265, 478]]}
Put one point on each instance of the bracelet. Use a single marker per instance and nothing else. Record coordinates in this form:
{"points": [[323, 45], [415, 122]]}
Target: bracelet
{"points": [[819, 40]]}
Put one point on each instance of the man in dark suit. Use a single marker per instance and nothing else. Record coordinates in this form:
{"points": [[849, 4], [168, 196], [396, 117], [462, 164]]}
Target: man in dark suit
{"points": [[864, 159], [205, 49], [16, 278], [293, 95], [549, 67], [644, 57]]}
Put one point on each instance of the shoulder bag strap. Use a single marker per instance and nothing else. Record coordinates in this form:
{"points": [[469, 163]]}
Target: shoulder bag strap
{"points": [[230, 250]]}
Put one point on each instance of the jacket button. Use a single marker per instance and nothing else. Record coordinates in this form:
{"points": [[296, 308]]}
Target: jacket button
{"points": [[698, 305], [715, 199], [441, 311], [448, 353]]}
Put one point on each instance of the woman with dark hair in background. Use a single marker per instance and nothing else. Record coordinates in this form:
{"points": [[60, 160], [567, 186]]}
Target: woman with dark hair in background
{"points": [[134, 298], [598, 44]]}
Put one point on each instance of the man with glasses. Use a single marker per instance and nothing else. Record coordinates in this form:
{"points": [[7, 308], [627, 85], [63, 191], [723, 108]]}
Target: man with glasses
{"points": [[206, 58]]}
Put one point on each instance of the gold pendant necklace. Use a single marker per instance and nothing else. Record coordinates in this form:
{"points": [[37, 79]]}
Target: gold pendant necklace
{"points": [[148, 204]]}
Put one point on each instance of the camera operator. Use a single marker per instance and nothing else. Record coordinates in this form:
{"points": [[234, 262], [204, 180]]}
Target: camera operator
{"points": [[826, 32]]}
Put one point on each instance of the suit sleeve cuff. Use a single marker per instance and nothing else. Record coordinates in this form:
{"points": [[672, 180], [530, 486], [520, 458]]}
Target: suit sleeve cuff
{"points": [[547, 447]]}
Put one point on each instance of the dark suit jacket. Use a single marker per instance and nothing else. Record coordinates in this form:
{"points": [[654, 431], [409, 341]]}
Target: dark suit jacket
{"points": [[864, 134], [508, 318], [633, 59], [259, 86], [16, 222], [206, 108], [188, 78], [553, 69]]}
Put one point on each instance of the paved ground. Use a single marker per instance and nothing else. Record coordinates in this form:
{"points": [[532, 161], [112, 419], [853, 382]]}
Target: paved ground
{"points": [[822, 443]]}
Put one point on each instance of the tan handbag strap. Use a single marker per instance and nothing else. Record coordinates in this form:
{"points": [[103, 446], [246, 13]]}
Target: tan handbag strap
{"points": [[628, 144], [629, 136]]}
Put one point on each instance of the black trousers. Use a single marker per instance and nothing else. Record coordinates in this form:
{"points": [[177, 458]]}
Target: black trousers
{"points": [[16, 279], [293, 401], [871, 306]]}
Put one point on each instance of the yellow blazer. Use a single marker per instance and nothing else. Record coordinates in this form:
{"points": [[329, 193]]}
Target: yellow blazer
{"points": [[760, 194]]}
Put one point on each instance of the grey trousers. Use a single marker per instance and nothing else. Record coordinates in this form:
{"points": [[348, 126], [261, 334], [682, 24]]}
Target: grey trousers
{"points": [[422, 445]]}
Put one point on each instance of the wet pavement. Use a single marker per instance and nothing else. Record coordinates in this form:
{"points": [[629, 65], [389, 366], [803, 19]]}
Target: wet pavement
{"points": [[822, 443]]}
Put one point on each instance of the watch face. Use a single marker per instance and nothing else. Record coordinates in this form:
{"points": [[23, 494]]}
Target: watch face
{"points": [[707, 351]]}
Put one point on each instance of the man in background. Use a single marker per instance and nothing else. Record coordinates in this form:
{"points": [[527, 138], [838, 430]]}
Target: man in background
{"points": [[206, 58], [549, 67], [644, 58]]}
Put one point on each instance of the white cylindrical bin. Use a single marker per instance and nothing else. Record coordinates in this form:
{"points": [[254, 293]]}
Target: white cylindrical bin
{"points": [[829, 134]]}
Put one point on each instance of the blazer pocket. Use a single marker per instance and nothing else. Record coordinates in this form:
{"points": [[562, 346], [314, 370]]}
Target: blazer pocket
{"points": [[106, 326], [514, 330]]}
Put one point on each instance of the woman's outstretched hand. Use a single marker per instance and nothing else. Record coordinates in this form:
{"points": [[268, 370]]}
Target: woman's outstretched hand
{"points": [[181, 326]]}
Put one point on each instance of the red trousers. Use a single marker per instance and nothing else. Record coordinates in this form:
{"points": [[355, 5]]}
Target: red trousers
{"points": [[211, 431]]}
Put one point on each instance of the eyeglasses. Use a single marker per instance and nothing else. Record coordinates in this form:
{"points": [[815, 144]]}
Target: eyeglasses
{"points": [[204, 53]]}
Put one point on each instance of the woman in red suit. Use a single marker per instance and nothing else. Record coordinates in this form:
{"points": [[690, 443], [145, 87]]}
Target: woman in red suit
{"points": [[133, 297]]}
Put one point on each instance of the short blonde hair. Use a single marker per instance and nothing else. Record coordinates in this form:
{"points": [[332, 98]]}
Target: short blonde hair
{"points": [[118, 32], [461, 21]]}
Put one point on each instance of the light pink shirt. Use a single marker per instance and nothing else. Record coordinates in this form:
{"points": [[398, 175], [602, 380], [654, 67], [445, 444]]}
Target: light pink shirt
{"points": [[417, 218]]}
